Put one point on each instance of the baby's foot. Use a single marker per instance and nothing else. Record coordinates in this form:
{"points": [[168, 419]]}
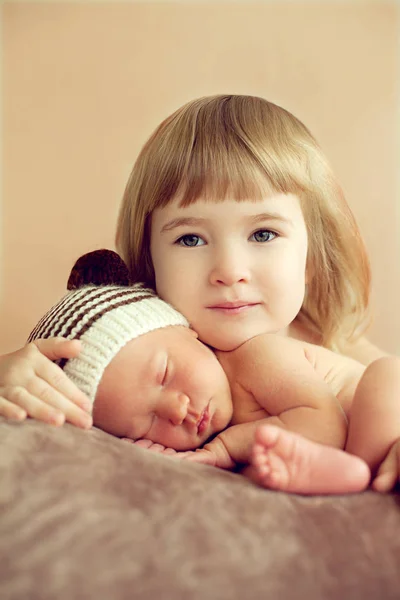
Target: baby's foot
{"points": [[286, 461]]}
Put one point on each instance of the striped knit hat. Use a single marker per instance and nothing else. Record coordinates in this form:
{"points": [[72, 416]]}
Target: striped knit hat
{"points": [[104, 312]]}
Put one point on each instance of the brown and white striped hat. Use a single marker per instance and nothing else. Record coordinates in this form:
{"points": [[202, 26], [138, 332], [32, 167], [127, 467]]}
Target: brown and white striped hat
{"points": [[104, 312]]}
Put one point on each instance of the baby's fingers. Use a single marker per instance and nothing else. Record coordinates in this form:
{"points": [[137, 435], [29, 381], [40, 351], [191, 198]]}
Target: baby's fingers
{"points": [[169, 452], [183, 455], [142, 443], [201, 456], [152, 446]]}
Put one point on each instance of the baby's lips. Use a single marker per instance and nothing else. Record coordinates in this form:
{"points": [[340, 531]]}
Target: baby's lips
{"points": [[204, 420]]}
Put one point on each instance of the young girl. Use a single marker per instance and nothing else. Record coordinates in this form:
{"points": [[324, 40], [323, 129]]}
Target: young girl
{"points": [[234, 216]]}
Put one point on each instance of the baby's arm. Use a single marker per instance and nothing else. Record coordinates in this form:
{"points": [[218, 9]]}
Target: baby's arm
{"points": [[275, 372], [288, 392], [229, 448], [31, 385], [223, 451]]}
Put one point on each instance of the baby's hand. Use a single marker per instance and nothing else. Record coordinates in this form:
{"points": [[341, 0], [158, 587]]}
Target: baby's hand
{"points": [[389, 472], [31, 385], [149, 445], [203, 456]]}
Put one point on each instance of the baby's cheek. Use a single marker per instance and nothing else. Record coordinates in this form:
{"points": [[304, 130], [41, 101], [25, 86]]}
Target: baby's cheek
{"points": [[109, 415]]}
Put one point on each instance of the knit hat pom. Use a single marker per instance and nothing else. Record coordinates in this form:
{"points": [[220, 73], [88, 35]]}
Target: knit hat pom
{"points": [[105, 312], [101, 267]]}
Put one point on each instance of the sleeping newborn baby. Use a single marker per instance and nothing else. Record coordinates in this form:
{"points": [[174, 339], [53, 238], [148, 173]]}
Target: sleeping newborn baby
{"points": [[152, 381], [141, 365]]}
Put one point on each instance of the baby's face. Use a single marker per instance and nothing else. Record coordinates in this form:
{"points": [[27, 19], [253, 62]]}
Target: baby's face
{"points": [[164, 386]]}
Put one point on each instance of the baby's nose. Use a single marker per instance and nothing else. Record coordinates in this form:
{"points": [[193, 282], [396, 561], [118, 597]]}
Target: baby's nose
{"points": [[174, 407], [179, 409]]}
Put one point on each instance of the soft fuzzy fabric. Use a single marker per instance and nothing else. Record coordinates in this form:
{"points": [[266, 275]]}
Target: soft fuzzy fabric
{"points": [[87, 516]]}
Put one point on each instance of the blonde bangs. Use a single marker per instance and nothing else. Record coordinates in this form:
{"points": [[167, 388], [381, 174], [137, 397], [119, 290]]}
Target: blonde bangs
{"points": [[212, 149]]}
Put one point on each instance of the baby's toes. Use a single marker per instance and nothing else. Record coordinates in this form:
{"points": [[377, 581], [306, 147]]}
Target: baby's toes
{"points": [[259, 456]]}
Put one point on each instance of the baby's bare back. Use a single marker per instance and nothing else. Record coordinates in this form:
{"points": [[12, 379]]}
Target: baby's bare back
{"points": [[340, 372], [244, 365]]}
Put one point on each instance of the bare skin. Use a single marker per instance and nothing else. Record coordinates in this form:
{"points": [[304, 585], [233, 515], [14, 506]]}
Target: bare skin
{"points": [[301, 388], [31, 385], [282, 388], [288, 462]]}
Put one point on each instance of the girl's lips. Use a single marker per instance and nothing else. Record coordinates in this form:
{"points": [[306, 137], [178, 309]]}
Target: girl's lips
{"points": [[204, 420], [232, 309]]}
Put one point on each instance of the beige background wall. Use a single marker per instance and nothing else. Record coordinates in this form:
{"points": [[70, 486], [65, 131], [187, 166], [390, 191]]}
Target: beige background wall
{"points": [[84, 84]]}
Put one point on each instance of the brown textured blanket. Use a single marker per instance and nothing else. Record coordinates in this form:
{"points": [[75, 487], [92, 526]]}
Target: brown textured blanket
{"points": [[87, 516]]}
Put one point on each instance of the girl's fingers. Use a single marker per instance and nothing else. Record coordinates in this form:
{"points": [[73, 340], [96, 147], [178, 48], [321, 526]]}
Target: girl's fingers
{"points": [[384, 482], [55, 377], [58, 347], [9, 410], [389, 471], [22, 399], [34, 384], [58, 402], [32, 362]]}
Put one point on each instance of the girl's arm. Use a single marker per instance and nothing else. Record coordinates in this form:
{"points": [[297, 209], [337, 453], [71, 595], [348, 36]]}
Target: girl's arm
{"points": [[33, 386]]}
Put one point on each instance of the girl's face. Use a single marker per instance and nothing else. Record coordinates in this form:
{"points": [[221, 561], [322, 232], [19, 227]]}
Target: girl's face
{"points": [[234, 269]]}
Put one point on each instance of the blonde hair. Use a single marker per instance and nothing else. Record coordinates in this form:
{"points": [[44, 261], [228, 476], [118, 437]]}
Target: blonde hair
{"points": [[242, 146]]}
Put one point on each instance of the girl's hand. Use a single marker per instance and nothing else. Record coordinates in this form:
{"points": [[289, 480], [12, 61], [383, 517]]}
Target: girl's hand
{"points": [[389, 472], [31, 385]]}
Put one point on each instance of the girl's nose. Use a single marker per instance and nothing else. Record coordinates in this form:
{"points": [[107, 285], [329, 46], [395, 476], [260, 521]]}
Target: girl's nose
{"points": [[229, 268], [173, 407]]}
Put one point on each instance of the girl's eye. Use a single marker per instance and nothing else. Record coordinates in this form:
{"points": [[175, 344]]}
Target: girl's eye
{"points": [[263, 235], [190, 240]]}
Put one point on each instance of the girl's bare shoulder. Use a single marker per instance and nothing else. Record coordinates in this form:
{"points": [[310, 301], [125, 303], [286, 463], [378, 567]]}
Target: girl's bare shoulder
{"points": [[363, 351]]}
